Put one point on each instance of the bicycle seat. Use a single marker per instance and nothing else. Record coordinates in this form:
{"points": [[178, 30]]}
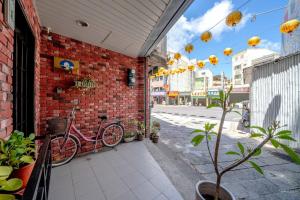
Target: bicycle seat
{"points": [[102, 117]]}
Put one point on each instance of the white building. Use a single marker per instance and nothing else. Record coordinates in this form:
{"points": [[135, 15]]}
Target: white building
{"points": [[245, 59]]}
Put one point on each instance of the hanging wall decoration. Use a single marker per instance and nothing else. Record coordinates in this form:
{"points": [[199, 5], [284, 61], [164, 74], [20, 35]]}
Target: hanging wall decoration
{"points": [[66, 64]]}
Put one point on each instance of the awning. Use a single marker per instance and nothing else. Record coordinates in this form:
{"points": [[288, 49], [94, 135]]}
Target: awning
{"points": [[130, 27]]}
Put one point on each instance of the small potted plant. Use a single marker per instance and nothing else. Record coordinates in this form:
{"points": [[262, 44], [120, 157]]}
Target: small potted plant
{"points": [[155, 128], [140, 131], [129, 136], [8, 184], [274, 134], [18, 152], [155, 135]]}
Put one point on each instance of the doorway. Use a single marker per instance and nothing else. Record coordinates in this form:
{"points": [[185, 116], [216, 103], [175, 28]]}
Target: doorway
{"points": [[23, 74]]}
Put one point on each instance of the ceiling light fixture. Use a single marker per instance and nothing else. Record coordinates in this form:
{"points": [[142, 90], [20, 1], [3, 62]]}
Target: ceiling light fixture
{"points": [[82, 23]]}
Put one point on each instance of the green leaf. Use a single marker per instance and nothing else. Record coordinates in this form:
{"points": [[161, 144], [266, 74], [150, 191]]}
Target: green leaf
{"points": [[294, 156], [261, 129], [241, 147], [253, 135], [284, 132], [256, 167], [232, 153], [27, 159], [198, 131], [31, 136], [275, 143], [221, 95], [213, 105], [5, 171], [286, 137], [197, 139], [257, 153], [7, 197], [11, 184], [208, 137], [208, 126]]}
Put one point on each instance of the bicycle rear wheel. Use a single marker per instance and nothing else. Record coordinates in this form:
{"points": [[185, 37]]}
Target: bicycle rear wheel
{"points": [[63, 153], [112, 135]]}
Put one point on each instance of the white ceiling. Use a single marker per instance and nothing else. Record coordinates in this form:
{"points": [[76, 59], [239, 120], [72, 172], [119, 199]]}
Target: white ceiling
{"points": [[130, 27]]}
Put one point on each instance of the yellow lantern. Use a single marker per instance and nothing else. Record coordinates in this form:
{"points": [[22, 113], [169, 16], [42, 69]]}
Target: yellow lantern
{"points": [[189, 48], [213, 59], [289, 26], [161, 70], [170, 62], [201, 64], [191, 67], [173, 72], [177, 56], [182, 70], [254, 41], [234, 18], [206, 36], [165, 72], [227, 51], [152, 77]]}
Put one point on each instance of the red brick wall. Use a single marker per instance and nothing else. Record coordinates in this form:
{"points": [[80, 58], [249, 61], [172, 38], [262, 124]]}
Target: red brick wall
{"points": [[107, 68], [6, 66]]}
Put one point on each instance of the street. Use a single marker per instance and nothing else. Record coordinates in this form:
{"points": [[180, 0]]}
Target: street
{"points": [[195, 111], [281, 179]]}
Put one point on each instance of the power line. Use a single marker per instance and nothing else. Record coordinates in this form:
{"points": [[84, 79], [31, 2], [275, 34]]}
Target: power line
{"points": [[241, 6]]}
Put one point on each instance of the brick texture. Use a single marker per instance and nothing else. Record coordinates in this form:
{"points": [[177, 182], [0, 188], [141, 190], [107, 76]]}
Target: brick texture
{"points": [[6, 66], [108, 69]]}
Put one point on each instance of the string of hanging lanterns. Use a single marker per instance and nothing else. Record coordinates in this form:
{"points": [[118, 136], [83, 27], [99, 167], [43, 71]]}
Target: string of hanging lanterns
{"points": [[231, 20]]}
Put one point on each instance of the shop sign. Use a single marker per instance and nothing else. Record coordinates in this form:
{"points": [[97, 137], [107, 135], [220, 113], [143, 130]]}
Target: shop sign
{"points": [[199, 94], [166, 87], [173, 93], [161, 93], [213, 93]]}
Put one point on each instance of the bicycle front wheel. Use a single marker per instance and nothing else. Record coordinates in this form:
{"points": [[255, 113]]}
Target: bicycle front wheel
{"points": [[63, 150], [112, 135]]}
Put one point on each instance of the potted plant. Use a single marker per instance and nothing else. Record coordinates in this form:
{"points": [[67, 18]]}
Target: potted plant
{"points": [[155, 128], [18, 152], [140, 131], [8, 184], [273, 134], [155, 136], [129, 136]]}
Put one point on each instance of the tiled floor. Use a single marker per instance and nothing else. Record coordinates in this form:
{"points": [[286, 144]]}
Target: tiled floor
{"points": [[128, 173]]}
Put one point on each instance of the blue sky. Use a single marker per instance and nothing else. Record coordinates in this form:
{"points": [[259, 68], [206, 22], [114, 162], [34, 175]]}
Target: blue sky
{"points": [[203, 14]]}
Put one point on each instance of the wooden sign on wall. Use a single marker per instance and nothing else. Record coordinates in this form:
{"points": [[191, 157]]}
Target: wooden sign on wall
{"points": [[66, 64]]}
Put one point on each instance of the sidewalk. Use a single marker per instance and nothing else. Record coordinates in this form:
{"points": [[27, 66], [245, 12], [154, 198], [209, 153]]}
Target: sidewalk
{"points": [[127, 172]]}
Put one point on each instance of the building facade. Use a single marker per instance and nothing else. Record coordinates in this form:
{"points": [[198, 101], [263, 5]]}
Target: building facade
{"points": [[202, 81]]}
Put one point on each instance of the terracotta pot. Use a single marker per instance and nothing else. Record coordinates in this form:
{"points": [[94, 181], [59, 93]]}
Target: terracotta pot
{"points": [[207, 188], [24, 173], [140, 137], [155, 139]]}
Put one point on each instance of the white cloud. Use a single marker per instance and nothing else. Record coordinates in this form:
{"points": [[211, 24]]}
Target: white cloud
{"points": [[274, 46], [185, 30]]}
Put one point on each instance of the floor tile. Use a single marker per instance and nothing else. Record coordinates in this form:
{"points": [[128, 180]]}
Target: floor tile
{"points": [[146, 191]]}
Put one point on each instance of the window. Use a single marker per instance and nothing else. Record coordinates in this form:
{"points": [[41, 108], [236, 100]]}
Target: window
{"points": [[238, 76], [237, 67]]}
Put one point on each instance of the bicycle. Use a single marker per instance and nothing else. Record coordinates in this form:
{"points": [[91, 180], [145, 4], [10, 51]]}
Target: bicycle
{"points": [[65, 146]]}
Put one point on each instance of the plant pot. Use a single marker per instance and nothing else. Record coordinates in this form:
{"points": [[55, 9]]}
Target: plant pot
{"points": [[155, 139], [207, 188], [140, 137], [130, 139], [24, 173]]}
